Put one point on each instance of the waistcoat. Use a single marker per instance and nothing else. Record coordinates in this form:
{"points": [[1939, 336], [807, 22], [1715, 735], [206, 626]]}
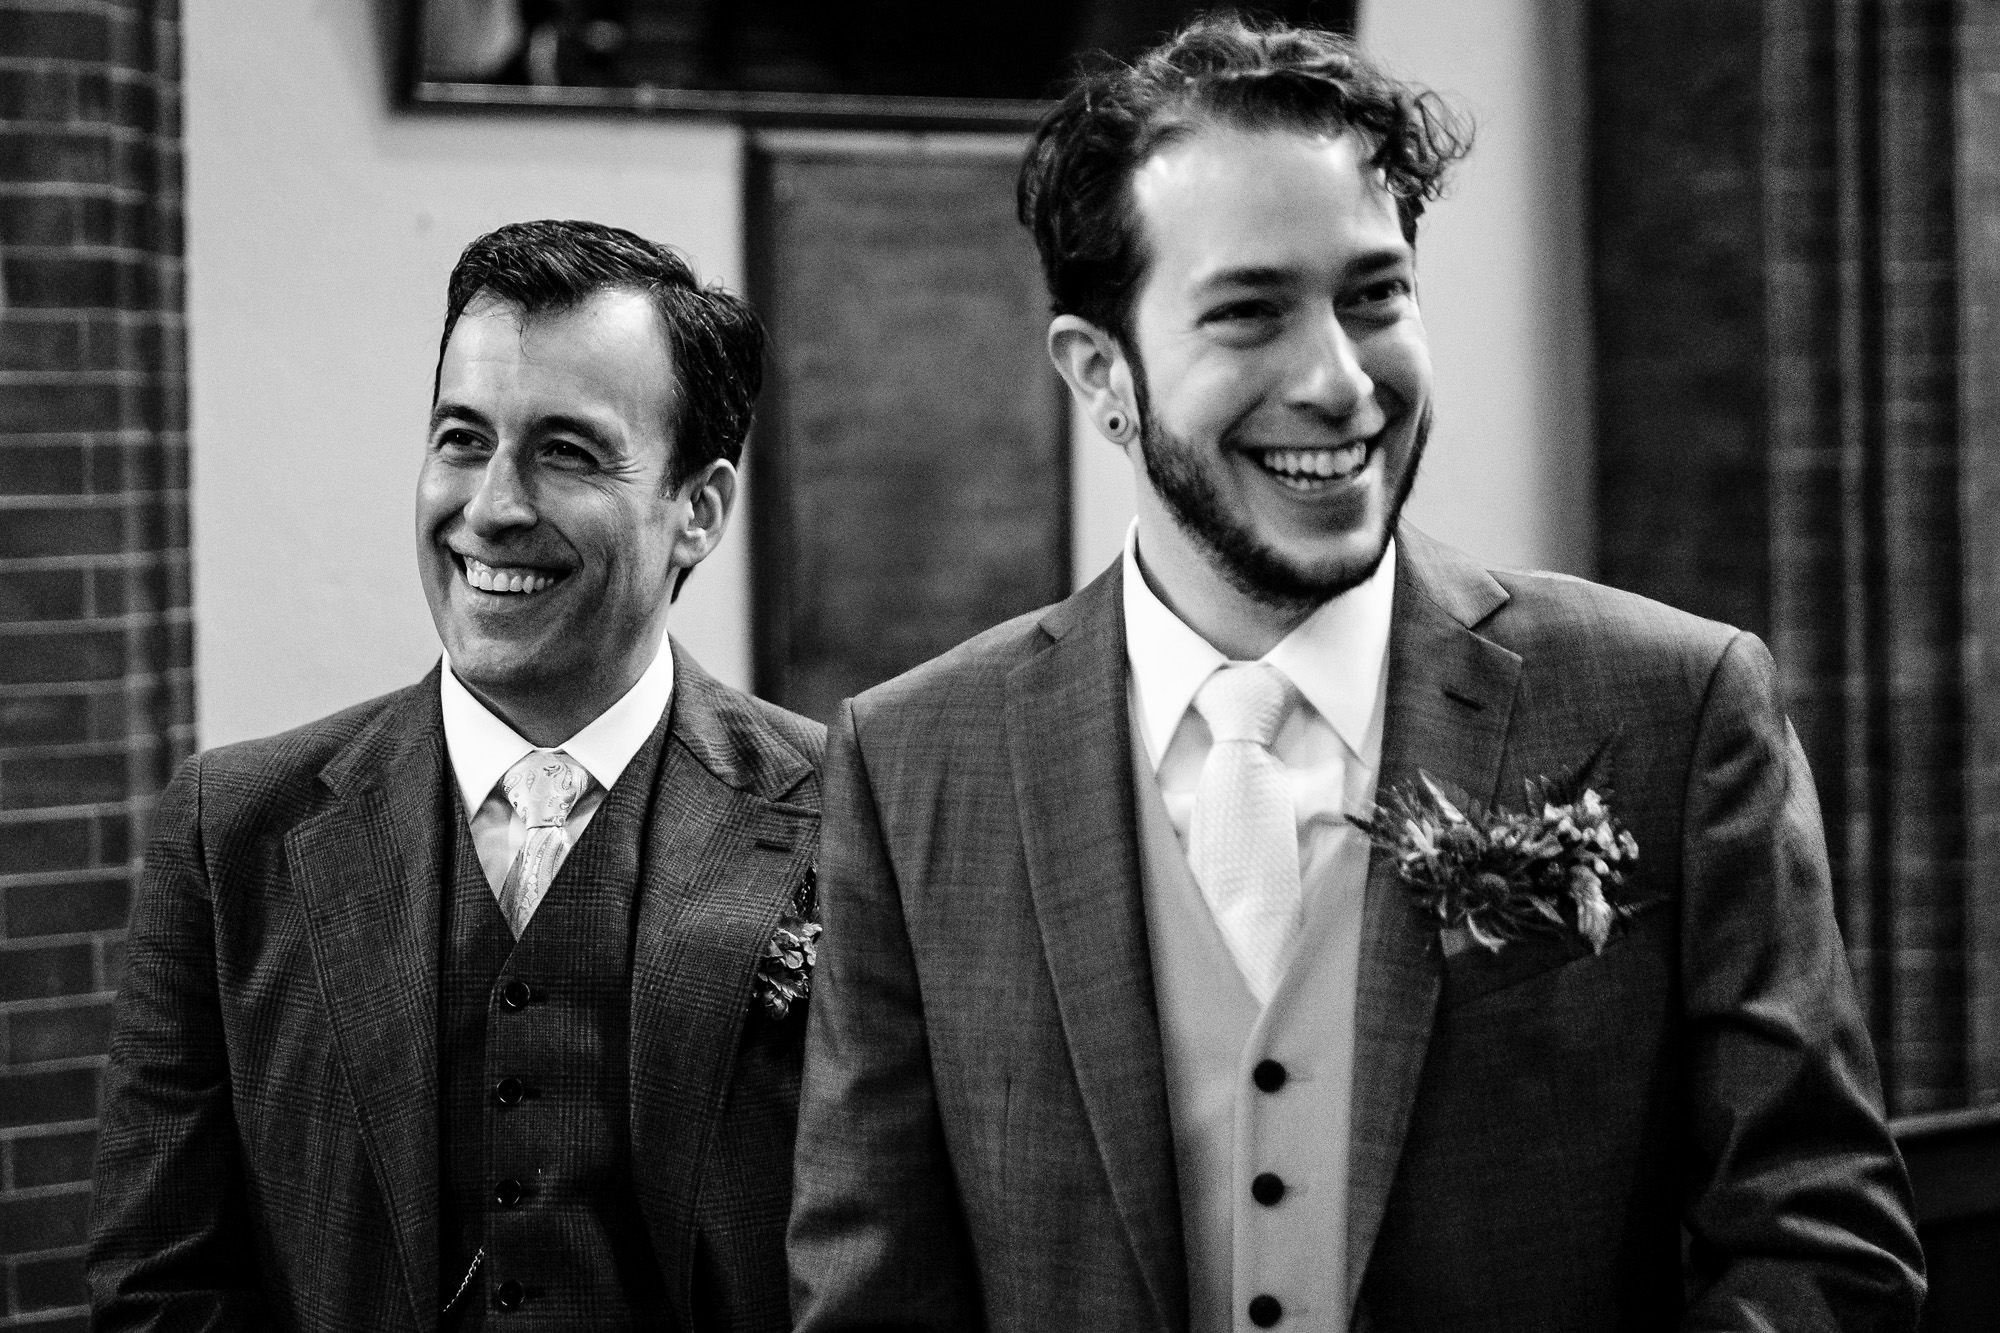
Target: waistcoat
{"points": [[1258, 1100], [534, 1094]]}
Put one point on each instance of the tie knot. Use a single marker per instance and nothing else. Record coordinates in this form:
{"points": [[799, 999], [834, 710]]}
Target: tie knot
{"points": [[1245, 702], [544, 786]]}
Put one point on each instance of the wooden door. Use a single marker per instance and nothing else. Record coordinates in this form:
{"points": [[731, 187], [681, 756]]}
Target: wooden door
{"points": [[909, 476]]}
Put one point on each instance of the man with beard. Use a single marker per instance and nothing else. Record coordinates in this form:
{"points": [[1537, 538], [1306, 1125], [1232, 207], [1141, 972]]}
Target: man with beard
{"points": [[1124, 1024]]}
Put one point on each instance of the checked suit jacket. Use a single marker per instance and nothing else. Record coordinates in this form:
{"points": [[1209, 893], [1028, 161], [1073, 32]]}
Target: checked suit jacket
{"points": [[269, 1150], [1681, 1132]]}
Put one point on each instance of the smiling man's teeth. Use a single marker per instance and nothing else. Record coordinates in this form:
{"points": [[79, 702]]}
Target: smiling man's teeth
{"points": [[1311, 468], [487, 578]]}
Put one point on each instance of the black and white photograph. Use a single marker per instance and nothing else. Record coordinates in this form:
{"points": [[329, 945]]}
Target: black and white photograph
{"points": [[1028, 666]]}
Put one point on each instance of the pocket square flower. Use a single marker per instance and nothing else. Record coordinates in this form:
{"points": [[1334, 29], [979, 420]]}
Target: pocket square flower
{"points": [[784, 968], [1553, 867]]}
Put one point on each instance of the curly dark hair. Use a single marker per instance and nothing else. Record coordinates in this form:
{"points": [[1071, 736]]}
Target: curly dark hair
{"points": [[716, 338], [1075, 187]]}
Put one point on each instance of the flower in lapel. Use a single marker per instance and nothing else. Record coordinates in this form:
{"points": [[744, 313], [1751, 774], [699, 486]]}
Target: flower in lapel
{"points": [[1500, 875], [784, 968]]}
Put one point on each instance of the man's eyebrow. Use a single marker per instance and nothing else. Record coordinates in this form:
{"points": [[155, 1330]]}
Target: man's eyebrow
{"points": [[1276, 275], [1259, 275], [444, 410], [553, 421], [584, 426], [1375, 261]]}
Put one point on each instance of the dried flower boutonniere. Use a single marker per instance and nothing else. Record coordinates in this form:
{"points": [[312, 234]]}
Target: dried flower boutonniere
{"points": [[1554, 867], [784, 969]]}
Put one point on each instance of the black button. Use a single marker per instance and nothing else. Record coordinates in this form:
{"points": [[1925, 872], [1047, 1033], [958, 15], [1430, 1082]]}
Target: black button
{"points": [[1265, 1311], [508, 1092], [1267, 1188], [508, 1193], [516, 994], [509, 1295], [1269, 1075]]}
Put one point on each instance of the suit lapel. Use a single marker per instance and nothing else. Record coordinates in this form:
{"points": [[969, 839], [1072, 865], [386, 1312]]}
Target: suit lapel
{"points": [[728, 841], [371, 869], [1450, 699], [1069, 744]]}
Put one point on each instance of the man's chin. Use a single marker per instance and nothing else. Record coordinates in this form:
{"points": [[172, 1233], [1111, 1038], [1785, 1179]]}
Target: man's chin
{"points": [[1282, 575], [1273, 555], [499, 668]]}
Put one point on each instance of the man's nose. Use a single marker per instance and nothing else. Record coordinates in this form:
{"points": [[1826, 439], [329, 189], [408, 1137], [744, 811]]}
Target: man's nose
{"points": [[504, 498], [1331, 378]]}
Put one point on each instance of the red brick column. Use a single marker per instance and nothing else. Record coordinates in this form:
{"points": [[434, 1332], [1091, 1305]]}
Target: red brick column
{"points": [[95, 657]]}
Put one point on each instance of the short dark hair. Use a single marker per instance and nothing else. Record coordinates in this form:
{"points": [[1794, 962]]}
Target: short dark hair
{"points": [[1075, 188], [716, 338]]}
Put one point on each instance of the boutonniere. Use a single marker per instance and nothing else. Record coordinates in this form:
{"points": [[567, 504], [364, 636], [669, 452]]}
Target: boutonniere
{"points": [[784, 968], [1554, 866]]}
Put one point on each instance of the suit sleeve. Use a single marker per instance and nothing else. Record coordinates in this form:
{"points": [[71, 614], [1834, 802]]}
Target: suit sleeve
{"points": [[1799, 1211], [170, 1242], [877, 1237]]}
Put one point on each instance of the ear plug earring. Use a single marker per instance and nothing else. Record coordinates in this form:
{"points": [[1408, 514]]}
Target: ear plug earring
{"points": [[1116, 426]]}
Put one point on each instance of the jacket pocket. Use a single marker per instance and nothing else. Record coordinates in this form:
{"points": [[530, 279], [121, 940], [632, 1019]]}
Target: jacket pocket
{"points": [[1471, 970]]}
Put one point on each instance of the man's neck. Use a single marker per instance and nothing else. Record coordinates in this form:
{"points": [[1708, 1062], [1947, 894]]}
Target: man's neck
{"points": [[548, 714], [541, 722], [1184, 577]]}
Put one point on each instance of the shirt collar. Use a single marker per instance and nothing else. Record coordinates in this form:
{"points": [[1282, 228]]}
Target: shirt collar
{"points": [[482, 747], [1334, 658]]}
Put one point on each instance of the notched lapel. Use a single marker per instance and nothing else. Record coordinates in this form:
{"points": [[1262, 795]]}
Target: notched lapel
{"points": [[1068, 743], [371, 872], [1450, 702], [719, 865]]}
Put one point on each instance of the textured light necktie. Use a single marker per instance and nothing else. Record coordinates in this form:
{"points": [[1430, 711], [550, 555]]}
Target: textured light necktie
{"points": [[543, 788], [1244, 844]]}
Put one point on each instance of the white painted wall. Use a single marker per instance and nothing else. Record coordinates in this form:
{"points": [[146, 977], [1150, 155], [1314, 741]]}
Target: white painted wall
{"points": [[1503, 268], [1503, 271], [321, 227]]}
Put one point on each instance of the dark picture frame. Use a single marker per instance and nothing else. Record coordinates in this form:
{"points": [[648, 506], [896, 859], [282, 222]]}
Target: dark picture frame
{"points": [[901, 64]]}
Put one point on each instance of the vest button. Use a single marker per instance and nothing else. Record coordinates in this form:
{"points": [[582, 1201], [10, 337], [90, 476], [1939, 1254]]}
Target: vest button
{"points": [[509, 1092], [1265, 1311], [516, 994], [1269, 1075], [509, 1295], [1267, 1188], [508, 1193]]}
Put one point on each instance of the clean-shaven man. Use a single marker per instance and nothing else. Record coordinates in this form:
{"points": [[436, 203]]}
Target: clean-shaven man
{"points": [[1121, 1023], [456, 1009]]}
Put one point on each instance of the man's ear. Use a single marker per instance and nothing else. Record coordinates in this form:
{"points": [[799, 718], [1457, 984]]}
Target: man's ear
{"points": [[1094, 366], [711, 498]]}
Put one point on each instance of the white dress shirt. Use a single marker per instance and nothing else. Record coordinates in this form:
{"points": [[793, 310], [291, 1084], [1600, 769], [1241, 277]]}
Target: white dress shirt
{"points": [[1331, 747], [1213, 1032], [482, 748]]}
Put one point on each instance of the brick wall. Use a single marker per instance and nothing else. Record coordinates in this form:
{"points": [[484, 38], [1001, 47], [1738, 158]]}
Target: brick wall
{"points": [[95, 681]]}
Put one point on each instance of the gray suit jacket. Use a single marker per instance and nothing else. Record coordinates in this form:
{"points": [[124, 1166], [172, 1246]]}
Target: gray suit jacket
{"points": [[984, 1138], [269, 1151]]}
